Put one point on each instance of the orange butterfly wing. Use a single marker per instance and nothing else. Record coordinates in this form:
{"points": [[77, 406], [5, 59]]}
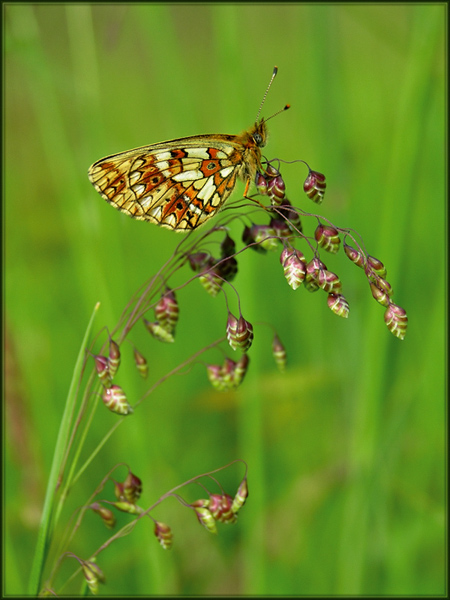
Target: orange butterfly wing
{"points": [[179, 184]]}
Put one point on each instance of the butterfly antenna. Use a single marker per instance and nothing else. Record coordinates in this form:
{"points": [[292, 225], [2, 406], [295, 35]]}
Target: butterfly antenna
{"points": [[278, 112], [275, 71]]}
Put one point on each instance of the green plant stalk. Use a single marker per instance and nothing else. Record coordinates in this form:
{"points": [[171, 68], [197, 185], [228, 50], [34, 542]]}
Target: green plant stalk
{"points": [[46, 521]]}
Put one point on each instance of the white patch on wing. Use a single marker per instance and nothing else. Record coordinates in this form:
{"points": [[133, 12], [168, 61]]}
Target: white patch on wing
{"points": [[138, 189], [171, 220], [146, 202], [156, 212], [197, 153], [135, 176], [226, 171], [187, 176], [163, 156], [195, 209], [207, 190]]}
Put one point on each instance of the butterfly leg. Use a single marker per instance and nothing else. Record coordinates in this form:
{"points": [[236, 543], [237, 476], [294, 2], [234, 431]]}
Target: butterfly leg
{"points": [[250, 198], [247, 185]]}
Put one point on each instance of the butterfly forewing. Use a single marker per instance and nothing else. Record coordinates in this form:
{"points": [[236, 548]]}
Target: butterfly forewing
{"points": [[181, 183]]}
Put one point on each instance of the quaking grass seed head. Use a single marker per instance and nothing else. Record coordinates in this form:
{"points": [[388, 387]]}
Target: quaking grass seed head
{"points": [[116, 401], [164, 535], [239, 333], [314, 186], [327, 237]]}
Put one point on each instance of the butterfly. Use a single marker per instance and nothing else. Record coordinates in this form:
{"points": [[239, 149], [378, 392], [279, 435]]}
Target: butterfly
{"points": [[179, 184]]}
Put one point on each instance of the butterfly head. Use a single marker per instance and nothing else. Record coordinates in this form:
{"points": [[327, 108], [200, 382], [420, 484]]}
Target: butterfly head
{"points": [[259, 133]]}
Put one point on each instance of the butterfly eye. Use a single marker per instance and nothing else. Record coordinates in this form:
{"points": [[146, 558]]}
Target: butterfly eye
{"points": [[258, 139]]}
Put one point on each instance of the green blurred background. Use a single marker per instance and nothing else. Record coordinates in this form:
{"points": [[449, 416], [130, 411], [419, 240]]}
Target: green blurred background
{"points": [[346, 450]]}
